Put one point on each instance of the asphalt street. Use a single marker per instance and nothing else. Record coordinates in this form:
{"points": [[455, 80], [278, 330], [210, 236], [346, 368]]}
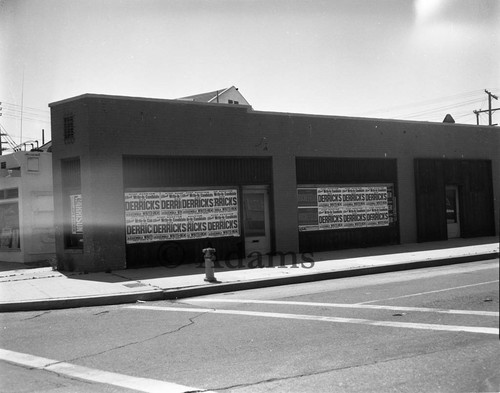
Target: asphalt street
{"points": [[434, 330]]}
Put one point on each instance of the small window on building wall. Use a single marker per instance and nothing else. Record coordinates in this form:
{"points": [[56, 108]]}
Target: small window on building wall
{"points": [[9, 219], [9, 193], [33, 164], [9, 226], [69, 129]]}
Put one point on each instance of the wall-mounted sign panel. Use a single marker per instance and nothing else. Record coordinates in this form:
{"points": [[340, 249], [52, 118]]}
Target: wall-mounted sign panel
{"points": [[76, 214], [345, 207], [181, 215]]}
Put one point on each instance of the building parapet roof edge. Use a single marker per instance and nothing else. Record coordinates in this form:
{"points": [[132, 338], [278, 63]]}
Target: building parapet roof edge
{"points": [[125, 98], [371, 119], [249, 109]]}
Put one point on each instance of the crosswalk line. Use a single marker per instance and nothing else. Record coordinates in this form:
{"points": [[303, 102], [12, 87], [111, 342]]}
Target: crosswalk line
{"points": [[429, 292], [349, 305], [408, 325], [90, 374]]}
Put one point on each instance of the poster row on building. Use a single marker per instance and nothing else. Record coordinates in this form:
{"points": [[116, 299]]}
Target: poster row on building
{"points": [[152, 216]]}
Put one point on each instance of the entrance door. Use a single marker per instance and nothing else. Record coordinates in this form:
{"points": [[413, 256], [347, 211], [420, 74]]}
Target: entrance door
{"points": [[256, 220], [452, 212]]}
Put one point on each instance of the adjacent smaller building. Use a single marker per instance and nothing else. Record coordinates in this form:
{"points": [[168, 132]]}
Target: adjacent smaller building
{"points": [[26, 207]]}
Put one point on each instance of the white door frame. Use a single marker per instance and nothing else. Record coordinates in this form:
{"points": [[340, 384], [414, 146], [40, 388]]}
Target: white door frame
{"points": [[260, 240]]}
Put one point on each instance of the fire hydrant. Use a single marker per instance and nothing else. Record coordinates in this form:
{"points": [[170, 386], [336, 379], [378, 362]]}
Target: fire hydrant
{"points": [[209, 256]]}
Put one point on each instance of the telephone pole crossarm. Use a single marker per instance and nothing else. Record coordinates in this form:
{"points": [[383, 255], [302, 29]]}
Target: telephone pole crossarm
{"points": [[486, 110], [490, 110]]}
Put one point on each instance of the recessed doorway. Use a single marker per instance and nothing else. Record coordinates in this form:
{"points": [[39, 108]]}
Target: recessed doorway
{"points": [[452, 212]]}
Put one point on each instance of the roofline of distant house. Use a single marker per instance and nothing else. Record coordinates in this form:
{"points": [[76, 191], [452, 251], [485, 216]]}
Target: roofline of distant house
{"points": [[212, 94], [219, 93], [249, 109]]}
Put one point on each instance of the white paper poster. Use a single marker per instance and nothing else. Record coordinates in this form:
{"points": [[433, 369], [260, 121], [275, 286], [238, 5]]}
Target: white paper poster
{"points": [[343, 207], [181, 215], [76, 214]]}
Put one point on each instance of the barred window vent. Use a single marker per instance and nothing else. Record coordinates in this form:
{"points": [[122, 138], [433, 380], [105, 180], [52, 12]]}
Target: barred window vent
{"points": [[69, 129]]}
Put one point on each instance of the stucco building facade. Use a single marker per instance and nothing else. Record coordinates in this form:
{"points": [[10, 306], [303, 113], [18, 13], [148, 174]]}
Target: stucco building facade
{"points": [[26, 207], [141, 181]]}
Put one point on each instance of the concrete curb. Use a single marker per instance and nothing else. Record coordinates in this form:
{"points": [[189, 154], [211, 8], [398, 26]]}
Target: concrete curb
{"points": [[210, 289], [87, 301]]}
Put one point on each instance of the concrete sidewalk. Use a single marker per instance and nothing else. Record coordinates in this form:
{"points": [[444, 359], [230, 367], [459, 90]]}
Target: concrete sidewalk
{"points": [[44, 289]]}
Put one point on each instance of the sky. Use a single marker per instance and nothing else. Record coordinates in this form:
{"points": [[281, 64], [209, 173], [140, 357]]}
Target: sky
{"points": [[397, 59]]}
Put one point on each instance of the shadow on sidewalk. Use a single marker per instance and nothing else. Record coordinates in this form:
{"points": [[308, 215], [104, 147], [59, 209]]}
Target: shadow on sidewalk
{"points": [[183, 270], [7, 266]]}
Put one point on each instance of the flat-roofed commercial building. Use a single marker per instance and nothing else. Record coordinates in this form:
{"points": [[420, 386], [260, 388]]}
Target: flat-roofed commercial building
{"points": [[141, 181]]}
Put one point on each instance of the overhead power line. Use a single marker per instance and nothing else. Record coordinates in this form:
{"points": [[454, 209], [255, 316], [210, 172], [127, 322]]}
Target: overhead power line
{"points": [[433, 108], [14, 111], [470, 95], [438, 109], [14, 106], [6, 115]]}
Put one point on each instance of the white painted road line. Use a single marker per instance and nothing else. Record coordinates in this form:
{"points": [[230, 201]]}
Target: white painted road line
{"points": [[347, 305], [94, 375], [424, 326], [436, 291]]}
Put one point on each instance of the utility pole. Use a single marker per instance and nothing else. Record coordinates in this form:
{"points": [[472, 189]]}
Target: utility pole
{"points": [[22, 107], [2, 142], [490, 110], [5, 138], [477, 116], [1, 135], [489, 106]]}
